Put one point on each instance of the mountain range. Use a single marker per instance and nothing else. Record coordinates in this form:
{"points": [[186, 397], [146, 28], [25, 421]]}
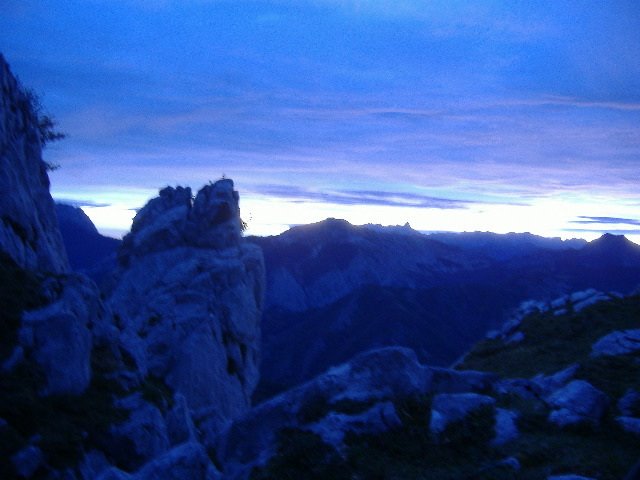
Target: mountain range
{"points": [[154, 374], [335, 290]]}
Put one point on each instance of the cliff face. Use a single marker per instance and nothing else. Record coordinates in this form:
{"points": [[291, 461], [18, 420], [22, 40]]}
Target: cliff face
{"points": [[112, 384], [28, 226], [189, 295]]}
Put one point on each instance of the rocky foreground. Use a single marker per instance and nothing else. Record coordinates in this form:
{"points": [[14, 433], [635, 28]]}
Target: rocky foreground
{"points": [[152, 377]]}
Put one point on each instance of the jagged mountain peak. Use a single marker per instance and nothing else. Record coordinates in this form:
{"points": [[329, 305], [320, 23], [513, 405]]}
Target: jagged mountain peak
{"points": [[610, 240], [612, 249]]}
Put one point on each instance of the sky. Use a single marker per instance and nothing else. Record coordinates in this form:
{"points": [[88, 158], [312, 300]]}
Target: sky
{"points": [[452, 115]]}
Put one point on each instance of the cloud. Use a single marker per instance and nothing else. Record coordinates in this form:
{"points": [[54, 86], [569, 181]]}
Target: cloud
{"points": [[605, 220], [81, 203], [362, 197], [603, 231]]}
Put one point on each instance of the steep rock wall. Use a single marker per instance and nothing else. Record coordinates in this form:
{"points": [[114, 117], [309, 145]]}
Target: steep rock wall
{"points": [[28, 226], [189, 298]]}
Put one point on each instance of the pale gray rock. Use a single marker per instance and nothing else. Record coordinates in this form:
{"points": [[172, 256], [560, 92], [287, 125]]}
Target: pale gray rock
{"points": [[512, 462], [447, 408], [114, 473], [59, 334], [620, 342], [180, 427], [377, 419], [16, 357], [189, 295], [547, 384], [505, 427], [629, 424], [144, 432], [539, 387], [93, 464], [372, 377], [569, 477], [578, 301], [629, 403], [186, 461], [516, 337], [29, 231], [577, 402], [27, 461]]}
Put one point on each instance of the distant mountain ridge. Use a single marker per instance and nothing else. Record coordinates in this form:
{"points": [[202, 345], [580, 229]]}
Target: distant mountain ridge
{"points": [[88, 250], [335, 290]]}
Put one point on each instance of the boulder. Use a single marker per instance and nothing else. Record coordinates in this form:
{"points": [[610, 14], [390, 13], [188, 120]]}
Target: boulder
{"points": [[114, 473], [576, 403], [60, 334], [629, 424], [620, 342], [27, 461], [180, 427], [29, 231], [379, 418], [447, 408], [629, 403], [569, 477], [93, 464], [142, 436], [186, 461], [547, 384], [506, 429], [373, 378]]}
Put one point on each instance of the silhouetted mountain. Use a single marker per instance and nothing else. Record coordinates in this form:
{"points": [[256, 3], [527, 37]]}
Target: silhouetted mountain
{"points": [[335, 290], [505, 246], [88, 250]]}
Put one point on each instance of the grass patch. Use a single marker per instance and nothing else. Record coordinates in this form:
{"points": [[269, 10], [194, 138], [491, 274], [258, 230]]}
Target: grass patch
{"points": [[19, 291], [302, 454], [67, 425], [553, 342]]}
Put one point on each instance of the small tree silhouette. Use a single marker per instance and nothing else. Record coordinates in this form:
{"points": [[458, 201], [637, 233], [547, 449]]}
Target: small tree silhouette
{"points": [[46, 123]]}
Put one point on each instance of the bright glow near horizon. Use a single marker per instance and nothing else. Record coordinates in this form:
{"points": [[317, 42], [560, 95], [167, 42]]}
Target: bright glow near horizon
{"points": [[461, 116], [265, 216]]}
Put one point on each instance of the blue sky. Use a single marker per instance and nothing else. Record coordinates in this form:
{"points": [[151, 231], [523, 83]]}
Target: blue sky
{"points": [[450, 115]]}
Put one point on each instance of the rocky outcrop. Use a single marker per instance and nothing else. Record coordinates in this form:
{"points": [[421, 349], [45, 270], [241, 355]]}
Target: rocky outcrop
{"points": [[355, 397], [28, 226], [617, 343], [59, 335], [189, 296], [448, 408], [577, 402]]}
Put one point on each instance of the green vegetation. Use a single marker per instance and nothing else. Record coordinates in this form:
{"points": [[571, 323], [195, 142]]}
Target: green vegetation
{"points": [[463, 451], [66, 425], [46, 122], [19, 291], [303, 454], [551, 342]]}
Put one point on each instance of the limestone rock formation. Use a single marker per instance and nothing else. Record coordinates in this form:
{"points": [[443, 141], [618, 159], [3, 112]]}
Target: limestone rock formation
{"points": [[28, 226], [189, 296], [618, 343], [368, 384], [452, 407], [577, 402]]}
